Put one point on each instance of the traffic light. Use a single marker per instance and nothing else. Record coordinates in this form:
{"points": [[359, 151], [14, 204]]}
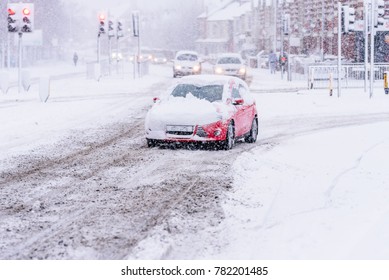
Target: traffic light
{"points": [[101, 24], [27, 23], [286, 24], [348, 18], [111, 31], [379, 12], [13, 24], [135, 23], [119, 30]]}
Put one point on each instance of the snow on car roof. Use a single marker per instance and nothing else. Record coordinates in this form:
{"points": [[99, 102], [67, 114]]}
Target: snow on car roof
{"points": [[188, 52], [230, 55]]}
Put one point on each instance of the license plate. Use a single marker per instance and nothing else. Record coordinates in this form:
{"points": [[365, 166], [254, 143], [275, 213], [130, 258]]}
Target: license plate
{"points": [[179, 128]]}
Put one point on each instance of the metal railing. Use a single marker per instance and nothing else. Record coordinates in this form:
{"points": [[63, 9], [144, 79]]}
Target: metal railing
{"points": [[352, 75]]}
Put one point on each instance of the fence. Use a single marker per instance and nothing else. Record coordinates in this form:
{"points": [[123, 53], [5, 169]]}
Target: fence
{"points": [[352, 75], [95, 70]]}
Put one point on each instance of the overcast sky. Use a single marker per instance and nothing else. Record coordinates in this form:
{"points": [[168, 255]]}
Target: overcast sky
{"points": [[116, 7]]}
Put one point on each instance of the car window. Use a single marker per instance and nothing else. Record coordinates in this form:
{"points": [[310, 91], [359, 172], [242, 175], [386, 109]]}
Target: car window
{"points": [[211, 93], [242, 91], [187, 56], [229, 60], [236, 93], [246, 95]]}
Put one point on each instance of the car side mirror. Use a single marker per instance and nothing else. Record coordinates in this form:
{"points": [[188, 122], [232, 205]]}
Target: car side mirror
{"points": [[238, 101]]}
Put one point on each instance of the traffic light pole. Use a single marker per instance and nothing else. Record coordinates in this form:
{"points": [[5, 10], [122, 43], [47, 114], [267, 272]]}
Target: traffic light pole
{"points": [[366, 29], [117, 54], [138, 59], [98, 48], [8, 51], [110, 54], [20, 63]]}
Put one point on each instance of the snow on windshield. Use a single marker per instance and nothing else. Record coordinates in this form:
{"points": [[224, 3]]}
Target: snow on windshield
{"points": [[190, 57], [210, 93], [229, 60]]}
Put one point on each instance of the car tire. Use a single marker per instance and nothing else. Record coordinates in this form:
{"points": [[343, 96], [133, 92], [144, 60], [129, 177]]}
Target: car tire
{"points": [[253, 133], [229, 143], [151, 143]]}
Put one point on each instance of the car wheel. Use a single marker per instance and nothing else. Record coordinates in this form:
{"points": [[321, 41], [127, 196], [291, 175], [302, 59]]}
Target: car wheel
{"points": [[151, 143], [229, 143], [253, 134]]}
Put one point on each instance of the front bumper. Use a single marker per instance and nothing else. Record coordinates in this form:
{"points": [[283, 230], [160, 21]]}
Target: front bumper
{"points": [[205, 133], [186, 70]]}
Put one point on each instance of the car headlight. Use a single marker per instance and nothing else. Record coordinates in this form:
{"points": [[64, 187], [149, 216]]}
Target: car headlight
{"points": [[218, 70], [178, 67], [217, 132], [196, 68], [242, 70]]}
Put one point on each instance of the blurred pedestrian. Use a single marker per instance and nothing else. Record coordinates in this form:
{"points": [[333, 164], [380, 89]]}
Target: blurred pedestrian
{"points": [[272, 62], [75, 59], [283, 62]]}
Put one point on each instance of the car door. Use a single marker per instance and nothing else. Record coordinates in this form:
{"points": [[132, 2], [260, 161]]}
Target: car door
{"points": [[239, 115], [247, 108]]}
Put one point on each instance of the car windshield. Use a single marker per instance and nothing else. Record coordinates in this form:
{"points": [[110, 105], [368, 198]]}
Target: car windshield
{"points": [[229, 60], [211, 93], [159, 54], [187, 56]]}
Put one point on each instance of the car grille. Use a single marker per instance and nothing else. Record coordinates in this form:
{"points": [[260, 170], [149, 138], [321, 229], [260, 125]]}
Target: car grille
{"points": [[182, 130], [182, 133]]}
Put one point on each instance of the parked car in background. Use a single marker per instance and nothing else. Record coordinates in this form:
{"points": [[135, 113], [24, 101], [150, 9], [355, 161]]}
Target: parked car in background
{"points": [[143, 57], [159, 58], [186, 63], [230, 64], [203, 109]]}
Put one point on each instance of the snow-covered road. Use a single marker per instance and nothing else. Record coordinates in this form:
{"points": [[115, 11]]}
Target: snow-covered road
{"points": [[78, 182]]}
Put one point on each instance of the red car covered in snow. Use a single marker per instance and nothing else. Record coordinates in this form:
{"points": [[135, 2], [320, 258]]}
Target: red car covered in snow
{"points": [[206, 109]]}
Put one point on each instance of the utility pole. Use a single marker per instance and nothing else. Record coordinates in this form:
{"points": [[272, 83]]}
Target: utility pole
{"points": [[322, 32], [275, 3], [339, 45], [372, 34], [282, 43], [366, 29], [135, 26]]}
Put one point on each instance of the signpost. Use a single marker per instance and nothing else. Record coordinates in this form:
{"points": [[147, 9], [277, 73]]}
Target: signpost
{"points": [[20, 20], [135, 27]]}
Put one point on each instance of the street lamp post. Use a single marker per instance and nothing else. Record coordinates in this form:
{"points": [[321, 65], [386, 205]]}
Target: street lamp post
{"points": [[322, 32]]}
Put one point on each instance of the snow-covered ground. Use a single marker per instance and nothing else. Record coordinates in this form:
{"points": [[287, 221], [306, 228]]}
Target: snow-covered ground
{"points": [[319, 194], [314, 186]]}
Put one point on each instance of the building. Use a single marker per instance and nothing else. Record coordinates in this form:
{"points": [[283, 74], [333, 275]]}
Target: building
{"points": [[229, 28]]}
